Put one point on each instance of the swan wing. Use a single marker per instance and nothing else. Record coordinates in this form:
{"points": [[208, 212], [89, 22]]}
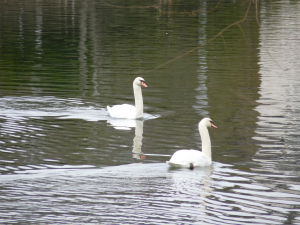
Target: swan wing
{"points": [[184, 158], [173, 164], [124, 111]]}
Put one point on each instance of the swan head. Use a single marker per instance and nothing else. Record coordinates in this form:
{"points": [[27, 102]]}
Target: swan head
{"points": [[139, 81], [207, 122]]}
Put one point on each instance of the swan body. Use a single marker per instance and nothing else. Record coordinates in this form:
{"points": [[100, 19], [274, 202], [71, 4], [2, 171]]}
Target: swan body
{"points": [[127, 111], [192, 158]]}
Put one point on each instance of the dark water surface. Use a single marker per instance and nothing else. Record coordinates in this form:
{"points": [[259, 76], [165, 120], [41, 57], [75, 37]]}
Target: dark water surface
{"points": [[64, 161]]}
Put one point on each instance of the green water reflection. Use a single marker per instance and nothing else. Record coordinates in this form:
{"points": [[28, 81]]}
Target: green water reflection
{"points": [[92, 50]]}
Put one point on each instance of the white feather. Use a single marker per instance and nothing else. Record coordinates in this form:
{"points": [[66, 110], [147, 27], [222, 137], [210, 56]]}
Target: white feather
{"points": [[192, 158], [126, 111]]}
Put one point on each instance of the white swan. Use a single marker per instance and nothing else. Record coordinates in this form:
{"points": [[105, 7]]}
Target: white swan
{"points": [[126, 111], [191, 158]]}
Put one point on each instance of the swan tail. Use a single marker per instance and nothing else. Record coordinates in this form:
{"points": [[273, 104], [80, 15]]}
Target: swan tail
{"points": [[108, 108], [173, 164]]}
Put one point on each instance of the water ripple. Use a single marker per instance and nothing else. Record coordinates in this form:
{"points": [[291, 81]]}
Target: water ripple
{"points": [[143, 193]]}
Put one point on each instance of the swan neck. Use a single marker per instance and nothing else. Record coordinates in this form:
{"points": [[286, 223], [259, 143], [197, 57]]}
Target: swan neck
{"points": [[138, 97], [206, 144]]}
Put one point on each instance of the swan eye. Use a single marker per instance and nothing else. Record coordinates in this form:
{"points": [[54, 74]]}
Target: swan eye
{"points": [[143, 83], [212, 124]]}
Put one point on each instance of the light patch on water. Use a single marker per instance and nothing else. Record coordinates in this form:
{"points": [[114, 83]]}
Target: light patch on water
{"points": [[26, 107], [145, 193], [278, 130]]}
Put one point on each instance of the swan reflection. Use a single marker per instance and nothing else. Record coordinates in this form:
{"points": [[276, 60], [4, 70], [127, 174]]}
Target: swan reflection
{"points": [[137, 140], [122, 124], [194, 183], [125, 124]]}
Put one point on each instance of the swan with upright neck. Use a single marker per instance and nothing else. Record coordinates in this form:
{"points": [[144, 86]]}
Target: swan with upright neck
{"points": [[194, 158], [127, 111]]}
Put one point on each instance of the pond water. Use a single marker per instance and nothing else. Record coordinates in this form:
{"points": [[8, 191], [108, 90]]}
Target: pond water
{"points": [[64, 160]]}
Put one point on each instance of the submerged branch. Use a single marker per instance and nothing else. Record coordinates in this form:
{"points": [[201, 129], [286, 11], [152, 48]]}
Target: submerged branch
{"points": [[194, 13], [157, 5], [220, 34], [132, 7], [256, 7], [262, 40], [223, 41], [243, 33], [247, 11], [207, 42], [194, 49]]}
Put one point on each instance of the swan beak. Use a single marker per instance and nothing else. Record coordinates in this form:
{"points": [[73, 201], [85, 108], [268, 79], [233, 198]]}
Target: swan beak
{"points": [[144, 84], [212, 125]]}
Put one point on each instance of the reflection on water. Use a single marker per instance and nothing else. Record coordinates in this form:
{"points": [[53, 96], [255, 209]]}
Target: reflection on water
{"points": [[278, 130], [202, 71], [64, 160], [29, 122], [137, 140], [278, 127], [26, 107], [138, 125], [137, 193]]}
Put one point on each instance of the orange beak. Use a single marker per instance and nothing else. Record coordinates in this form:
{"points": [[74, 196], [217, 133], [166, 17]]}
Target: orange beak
{"points": [[212, 125], [144, 84]]}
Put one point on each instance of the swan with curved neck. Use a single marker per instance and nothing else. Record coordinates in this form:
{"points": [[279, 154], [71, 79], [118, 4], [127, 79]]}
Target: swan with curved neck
{"points": [[126, 111], [192, 158]]}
